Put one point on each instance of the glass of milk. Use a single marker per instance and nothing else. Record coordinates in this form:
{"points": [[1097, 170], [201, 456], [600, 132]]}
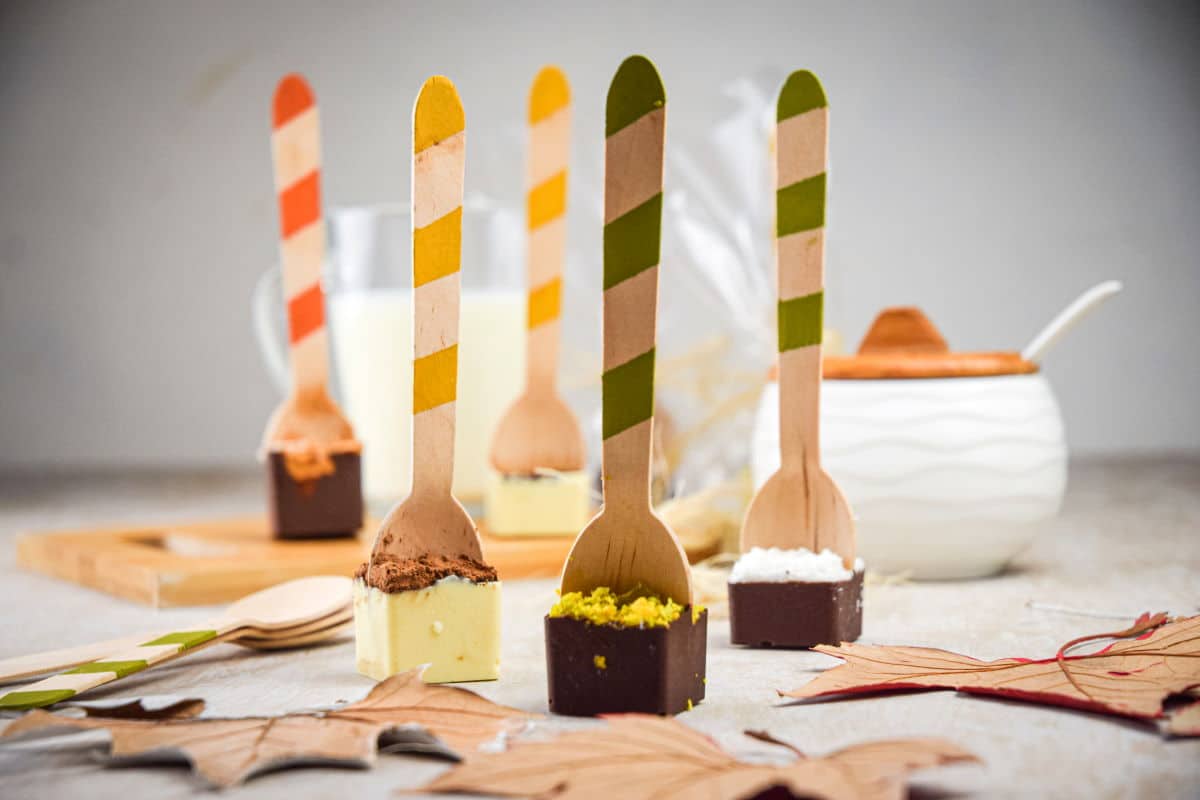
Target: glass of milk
{"points": [[368, 291]]}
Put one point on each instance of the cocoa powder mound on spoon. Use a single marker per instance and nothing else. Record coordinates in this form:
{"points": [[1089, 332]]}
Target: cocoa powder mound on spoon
{"points": [[390, 574]]}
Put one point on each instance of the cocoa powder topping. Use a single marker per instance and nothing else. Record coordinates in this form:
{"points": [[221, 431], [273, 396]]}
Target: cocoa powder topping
{"points": [[390, 574]]}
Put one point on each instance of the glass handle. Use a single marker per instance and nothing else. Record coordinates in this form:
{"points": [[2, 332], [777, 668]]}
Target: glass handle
{"points": [[267, 310]]}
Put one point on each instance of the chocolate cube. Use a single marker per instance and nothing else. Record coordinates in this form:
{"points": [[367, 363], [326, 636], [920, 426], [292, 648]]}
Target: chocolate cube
{"points": [[796, 613], [609, 669], [328, 506]]}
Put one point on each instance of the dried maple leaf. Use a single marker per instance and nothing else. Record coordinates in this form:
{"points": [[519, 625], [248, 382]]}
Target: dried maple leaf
{"points": [[167, 707], [1185, 721], [400, 713], [638, 756], [1149, 662]]}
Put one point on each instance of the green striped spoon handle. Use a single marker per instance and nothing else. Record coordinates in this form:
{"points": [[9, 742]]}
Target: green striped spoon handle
{"points": [[800, 506], [627, 546], [802, 142], [123, 662], [634, 127], [278, 608]]}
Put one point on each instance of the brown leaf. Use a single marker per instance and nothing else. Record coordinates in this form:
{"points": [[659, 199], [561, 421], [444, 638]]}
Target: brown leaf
{"points": [[1185, 721], [1151, 661], [228, 751], [143, 708], [638, 756]]}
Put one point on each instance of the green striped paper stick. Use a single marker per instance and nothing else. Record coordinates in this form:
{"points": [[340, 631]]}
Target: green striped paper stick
{"points": [[801, 133], [627, 547], [634, 122], [67, 684]]}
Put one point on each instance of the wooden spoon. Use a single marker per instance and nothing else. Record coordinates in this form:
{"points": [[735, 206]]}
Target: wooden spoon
{"points": [[626, 547], [291, 604], [308, 413], [800, 505], [430, 520], [539, 431], [27, 666], [309, 635]]}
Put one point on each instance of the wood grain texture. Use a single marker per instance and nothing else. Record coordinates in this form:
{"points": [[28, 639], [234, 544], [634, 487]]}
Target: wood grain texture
{"points": [[800, 506], [202, 563], [539, 430], [627, 547]]}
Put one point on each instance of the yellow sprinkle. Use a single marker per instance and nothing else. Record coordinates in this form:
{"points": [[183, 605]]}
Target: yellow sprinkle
{"points": [[690, 704], [602, 607], [600, 661]]}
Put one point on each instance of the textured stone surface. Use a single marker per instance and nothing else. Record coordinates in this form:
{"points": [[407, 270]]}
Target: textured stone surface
{"points": [[1128, 541]]}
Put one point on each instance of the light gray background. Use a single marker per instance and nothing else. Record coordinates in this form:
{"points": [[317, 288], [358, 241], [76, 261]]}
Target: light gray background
{"points": [[991, 161]]}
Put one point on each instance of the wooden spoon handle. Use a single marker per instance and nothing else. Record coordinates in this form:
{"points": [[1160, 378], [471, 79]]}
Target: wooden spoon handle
{"points": [[635, 117], [26, 666], [545, 217], [117, 665], [802, 143], [439, 142], [296, 153]]}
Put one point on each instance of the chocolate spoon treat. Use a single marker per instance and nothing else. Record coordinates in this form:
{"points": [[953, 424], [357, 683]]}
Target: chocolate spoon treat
{"points": [[313, 458], [797, 583], [540, 487], [625, 634], [426, 596]]}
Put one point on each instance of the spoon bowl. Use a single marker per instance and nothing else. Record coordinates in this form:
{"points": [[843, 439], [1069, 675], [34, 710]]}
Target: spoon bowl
{"points": [[293, 603], [628, 553], [428, 524], [800, 505], [539, 430], [295, 613], [312, 635]]}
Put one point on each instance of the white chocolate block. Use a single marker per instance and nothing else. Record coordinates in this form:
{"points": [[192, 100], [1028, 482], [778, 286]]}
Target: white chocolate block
{"points": [[550, 505], [453, 626]]}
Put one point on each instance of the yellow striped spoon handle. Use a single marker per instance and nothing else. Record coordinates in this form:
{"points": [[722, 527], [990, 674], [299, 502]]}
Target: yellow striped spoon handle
{"points": [[545, 217], [439, 147]]}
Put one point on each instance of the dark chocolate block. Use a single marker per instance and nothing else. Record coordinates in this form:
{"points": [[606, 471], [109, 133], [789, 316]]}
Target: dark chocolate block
{"points": [[795, 614], [324, 507], [651, 670]]}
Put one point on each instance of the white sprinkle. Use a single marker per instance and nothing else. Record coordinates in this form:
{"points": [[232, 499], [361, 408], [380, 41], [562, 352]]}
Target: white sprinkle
{"points": [[436, 627], [774, 565]]}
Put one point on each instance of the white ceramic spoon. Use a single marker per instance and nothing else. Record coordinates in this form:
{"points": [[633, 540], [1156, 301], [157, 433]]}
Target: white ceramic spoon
{"points": [[1068, 318]]}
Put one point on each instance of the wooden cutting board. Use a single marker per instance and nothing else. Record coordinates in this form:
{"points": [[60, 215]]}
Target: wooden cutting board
{"points": [[221, 561]]}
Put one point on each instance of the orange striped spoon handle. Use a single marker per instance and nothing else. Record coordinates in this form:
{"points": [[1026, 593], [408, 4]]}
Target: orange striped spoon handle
{"points": [[296, 152]]}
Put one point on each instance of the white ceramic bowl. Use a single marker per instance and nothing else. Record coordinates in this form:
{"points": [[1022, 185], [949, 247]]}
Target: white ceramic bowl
{"points": [[947, 477]]}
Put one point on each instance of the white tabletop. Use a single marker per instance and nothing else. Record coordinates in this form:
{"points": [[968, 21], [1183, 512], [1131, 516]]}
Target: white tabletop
{"points": [[1128, 541]]}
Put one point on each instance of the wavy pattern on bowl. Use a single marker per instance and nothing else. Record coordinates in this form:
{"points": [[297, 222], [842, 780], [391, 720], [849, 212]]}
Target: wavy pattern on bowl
{"points": [[937, 422], [942, 475], [868, 447], [905, 478], [910, 510]]}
